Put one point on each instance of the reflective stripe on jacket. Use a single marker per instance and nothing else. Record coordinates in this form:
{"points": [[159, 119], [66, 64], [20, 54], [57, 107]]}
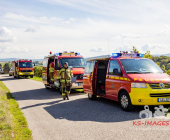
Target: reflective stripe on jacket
{"points": [[65, 75]]}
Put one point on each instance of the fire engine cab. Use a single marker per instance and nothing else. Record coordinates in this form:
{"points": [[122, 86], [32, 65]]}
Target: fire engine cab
{"points": [[22, 68], [127, 78], [75, 62]]}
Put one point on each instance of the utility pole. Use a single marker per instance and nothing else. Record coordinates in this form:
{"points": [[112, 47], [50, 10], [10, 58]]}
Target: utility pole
{"points": [[108, 45]]}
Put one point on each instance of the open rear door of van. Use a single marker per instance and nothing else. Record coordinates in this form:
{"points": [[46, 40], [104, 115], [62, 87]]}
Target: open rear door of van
{"points": [[88, 77]]}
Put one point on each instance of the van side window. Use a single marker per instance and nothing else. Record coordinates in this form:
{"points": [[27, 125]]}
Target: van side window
{"points": [[89, 67], [114, 65], [45, 62]]}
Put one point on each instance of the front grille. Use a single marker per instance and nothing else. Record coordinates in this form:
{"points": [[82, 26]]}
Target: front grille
{"points": [[78, 76], [159, 95], [156, 85], [26, 70]]}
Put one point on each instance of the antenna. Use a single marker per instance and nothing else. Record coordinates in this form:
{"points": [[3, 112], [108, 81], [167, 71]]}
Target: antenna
{"points": [[108, 45]]}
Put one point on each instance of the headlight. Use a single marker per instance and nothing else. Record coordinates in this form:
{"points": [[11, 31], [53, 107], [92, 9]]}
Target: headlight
{"points": [[138, 85]]}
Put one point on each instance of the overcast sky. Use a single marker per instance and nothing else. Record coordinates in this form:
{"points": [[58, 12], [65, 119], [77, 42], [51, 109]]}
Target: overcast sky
{"points": [[33, 28]]}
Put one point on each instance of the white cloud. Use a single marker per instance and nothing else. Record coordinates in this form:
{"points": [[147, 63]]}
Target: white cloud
{"points": [[165, 31], [124, 48], [97, 49], [20, 17], [128, 36], [156, 48], [31, 29], [6, 35], [15, 50], [43, 18]]}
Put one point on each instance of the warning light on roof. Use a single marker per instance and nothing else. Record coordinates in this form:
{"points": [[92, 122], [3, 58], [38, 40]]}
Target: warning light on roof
{"points": [[126, 54], [115, 55], [50, 52], [140, 55], [77, 54]]}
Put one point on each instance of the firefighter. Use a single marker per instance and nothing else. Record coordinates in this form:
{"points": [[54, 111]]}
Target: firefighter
{"points": [[51, 71], [65, 73]]}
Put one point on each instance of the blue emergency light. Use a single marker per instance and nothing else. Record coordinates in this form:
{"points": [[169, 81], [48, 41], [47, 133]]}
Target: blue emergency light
{"points": [[115, 55], [140, 55], [77, 54], [58, 54]]}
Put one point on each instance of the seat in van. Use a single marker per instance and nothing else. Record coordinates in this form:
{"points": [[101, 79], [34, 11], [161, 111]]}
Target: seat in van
{"points": [[101, 73]]}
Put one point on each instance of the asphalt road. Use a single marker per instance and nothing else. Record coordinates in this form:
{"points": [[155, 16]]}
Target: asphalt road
{"points": [[51, 118]]}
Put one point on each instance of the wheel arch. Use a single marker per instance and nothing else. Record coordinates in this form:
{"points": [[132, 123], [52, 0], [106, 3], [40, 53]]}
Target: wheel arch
{"points": [[120, 91]]}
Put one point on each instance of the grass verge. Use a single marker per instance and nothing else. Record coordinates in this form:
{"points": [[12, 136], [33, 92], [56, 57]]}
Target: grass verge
{"points": [[36, 78], [13, 124]]}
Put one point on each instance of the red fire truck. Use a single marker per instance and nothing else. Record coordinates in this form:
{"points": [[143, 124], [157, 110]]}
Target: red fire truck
{"points": [[127, 78], [22, 68], [76, 64]]}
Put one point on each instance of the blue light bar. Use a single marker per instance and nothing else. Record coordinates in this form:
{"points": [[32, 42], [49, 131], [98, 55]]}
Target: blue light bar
{"points": [[140, 55], [115, 55], [58, 54], [77, 53]]}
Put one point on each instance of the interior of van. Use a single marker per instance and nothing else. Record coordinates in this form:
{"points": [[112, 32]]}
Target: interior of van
{"points": [[101, 76]]}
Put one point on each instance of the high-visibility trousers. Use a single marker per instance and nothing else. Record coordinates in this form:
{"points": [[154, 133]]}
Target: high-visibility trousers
{"points": [[65, 89], [52, 76]]}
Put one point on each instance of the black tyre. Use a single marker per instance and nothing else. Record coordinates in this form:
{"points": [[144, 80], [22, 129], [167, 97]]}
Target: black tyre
{"points": [[18, 77], [92, 97], [125, 102], [46, 86]]}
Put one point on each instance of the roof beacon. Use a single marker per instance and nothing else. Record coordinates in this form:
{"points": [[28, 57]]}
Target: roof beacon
{"points": [[126, 54]]}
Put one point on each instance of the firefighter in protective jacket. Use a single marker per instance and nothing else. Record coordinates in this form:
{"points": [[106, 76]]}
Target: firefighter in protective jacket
{"points": [[51, 71], [65, 73]]}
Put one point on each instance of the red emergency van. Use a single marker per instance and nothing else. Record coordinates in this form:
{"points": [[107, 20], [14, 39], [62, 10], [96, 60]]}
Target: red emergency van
{"points": [[75, 62], [22, 68], [127, 78]]}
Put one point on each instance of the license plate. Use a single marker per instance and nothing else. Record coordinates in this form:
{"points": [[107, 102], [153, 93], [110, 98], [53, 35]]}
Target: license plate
{"points": [[26, 73], [80, 84], [163, 99]]}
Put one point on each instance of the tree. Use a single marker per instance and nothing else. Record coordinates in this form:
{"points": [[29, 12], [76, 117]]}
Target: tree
{"points": [[6, 65], [0, 65], [147, 55], [134, 49]]}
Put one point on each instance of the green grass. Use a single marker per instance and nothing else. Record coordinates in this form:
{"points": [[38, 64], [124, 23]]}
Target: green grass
{"points": [[13, 124], [36, 78]]}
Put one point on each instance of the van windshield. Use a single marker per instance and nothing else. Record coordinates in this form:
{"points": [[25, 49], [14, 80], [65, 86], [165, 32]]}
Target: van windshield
{"points": [[73, 62], [25, 64], [140, 66]]}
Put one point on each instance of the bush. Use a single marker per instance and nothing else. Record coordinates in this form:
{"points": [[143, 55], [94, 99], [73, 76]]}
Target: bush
{"points": [[38, 71]]}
